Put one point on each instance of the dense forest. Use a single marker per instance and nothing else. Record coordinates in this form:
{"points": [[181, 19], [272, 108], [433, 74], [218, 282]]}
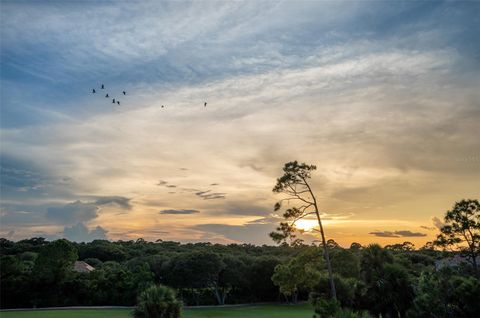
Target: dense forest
{"points": [[394, 279]]}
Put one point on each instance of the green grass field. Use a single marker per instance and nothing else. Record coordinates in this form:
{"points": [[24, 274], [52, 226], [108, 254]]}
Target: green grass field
{"points": [[264, 311]]}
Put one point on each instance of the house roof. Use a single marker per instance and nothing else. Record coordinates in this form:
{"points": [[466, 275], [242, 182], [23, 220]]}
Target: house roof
{"points": [[82, 267]]}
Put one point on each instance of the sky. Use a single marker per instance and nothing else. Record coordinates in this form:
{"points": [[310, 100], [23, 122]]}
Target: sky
{"points": [[383, 97]]}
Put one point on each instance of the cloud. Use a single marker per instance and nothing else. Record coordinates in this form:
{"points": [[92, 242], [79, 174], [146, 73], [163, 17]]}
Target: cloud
{"points": [[267, 220], [72, 212], [410, 234], [79, 211], [384, 97], [190, 189], [403, 233], [250, 233], [437, 223], [12, 217], [209, 195], [20, 176], [183, 211], [243, 208], [165, 184], [430, 228], [80, 233], [23, 179], [384, 234], [122, 202]]}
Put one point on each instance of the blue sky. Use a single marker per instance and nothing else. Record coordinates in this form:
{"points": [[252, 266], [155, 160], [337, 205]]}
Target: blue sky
{"points": [[381, 96]]}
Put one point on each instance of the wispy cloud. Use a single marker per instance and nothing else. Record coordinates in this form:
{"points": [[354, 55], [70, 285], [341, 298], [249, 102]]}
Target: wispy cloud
{"points": [[209, 195], [437, 222], [117, 200], [403, 233], [429, 228], [181, 211]]}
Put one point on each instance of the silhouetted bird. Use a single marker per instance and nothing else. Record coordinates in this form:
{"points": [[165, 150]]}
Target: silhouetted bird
{"points": [[103, 86], [106, 95], [118, 102], [205, 105], [113, 101], [93, 91], [124, 93]]}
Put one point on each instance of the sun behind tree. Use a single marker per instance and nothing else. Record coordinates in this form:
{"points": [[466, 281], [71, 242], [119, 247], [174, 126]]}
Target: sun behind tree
{"points": [[295, 186]]}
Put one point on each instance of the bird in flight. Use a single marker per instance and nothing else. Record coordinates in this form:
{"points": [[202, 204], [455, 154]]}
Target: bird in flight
{"points": [[124, 93], [205, 104], [118, 102], [103, 86], [106, 95], [113, 101], [93, 91]]}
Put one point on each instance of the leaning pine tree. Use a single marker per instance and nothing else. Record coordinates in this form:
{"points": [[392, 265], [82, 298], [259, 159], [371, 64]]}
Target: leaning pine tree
{"points": [[157, 302], [295, 186]]}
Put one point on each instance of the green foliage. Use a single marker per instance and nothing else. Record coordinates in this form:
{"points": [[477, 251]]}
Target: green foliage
{"points": [[157, 302], [346, 288], [388, 289], [405, 246], [347, 313], [301, 272], [55, 261], [355, 246], [95, 262], [198, 270], [294, 173], [102, 250], [345, 262], [325, 308], [446, 293]]}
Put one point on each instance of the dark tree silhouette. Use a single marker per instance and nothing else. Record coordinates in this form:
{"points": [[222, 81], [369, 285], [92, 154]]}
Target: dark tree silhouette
{"points": [[462, 229], [294, 184]]}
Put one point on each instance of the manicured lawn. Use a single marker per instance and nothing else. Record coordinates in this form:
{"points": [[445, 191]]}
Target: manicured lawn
{"points": [[267, 311]]}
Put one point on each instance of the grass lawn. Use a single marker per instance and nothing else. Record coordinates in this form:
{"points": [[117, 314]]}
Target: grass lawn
{"points": [[264, 311]]}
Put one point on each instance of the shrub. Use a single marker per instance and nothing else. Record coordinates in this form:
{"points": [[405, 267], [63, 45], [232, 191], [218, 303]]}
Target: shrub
{"points": [[157, 301], [329, 308], [324, 308]]}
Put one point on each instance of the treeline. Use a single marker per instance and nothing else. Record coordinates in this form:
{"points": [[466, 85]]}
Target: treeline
{"points": [[389, 281], [38, 273]]}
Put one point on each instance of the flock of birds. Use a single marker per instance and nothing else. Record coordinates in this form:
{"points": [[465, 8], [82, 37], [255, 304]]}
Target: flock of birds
{"points": [[107, 96], [124, 93]]}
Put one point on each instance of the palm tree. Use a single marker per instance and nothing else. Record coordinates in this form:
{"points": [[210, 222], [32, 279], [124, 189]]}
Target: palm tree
{"points": [[158, 301]]}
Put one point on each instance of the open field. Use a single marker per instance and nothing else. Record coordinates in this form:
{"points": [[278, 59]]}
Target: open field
{"points": [[264, 311]]}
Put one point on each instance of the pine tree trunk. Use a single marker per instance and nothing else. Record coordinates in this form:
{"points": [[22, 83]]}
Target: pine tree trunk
{"points": [[327, 258], [324, 243]]}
